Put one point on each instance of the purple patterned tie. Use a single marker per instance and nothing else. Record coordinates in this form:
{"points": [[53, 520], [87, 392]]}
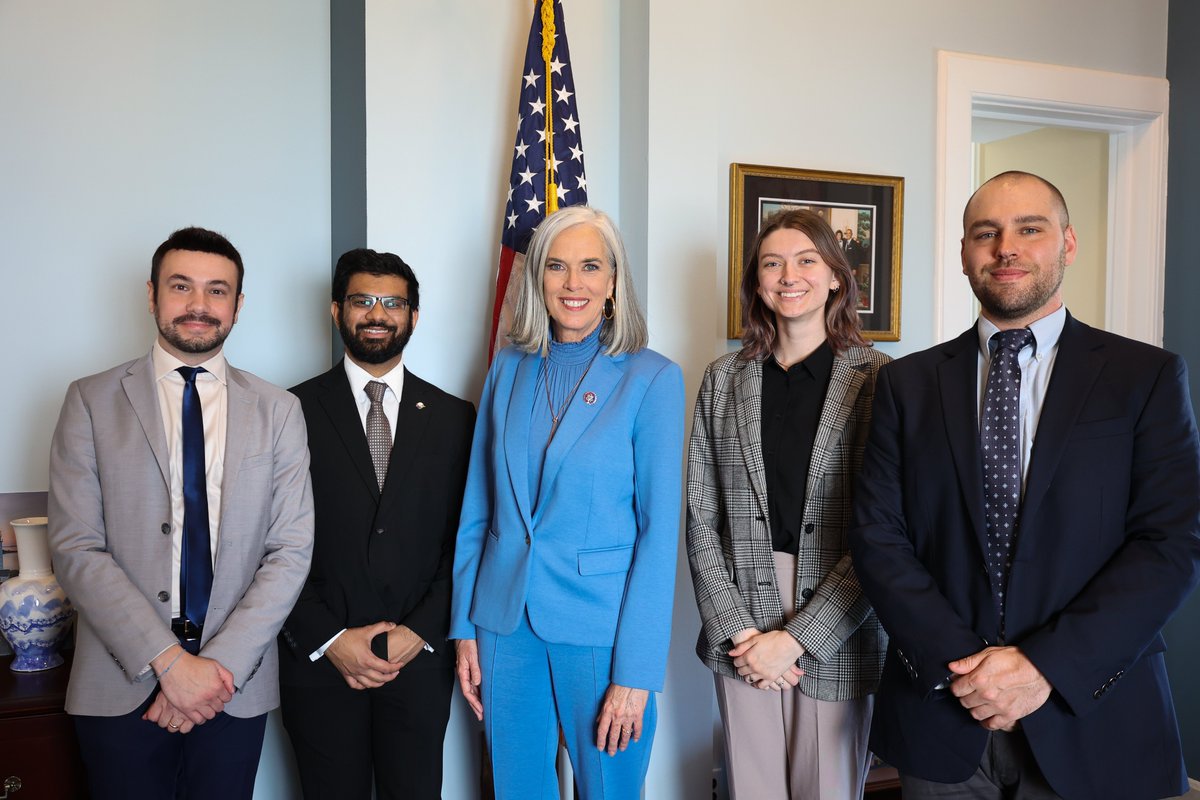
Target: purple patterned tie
{"points": [[1000, 440]]}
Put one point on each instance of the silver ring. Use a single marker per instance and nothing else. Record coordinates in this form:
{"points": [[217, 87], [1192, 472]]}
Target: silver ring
{"points": [[172, 727]]}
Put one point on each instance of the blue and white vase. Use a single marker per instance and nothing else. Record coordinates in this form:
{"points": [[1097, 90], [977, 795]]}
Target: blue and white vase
{"points": [[35, 615]]}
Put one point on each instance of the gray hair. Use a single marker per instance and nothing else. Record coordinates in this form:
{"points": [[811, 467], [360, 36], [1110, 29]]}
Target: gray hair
{"points": [[624, 333]]}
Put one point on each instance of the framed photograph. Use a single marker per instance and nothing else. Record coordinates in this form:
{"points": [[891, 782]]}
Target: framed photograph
{"points": [[865, 211]]}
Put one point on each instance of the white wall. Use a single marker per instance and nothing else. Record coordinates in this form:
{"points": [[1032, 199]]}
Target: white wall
{"points": [[120, 122]]}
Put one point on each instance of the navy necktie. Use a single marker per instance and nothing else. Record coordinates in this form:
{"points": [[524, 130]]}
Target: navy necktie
{"points": [[1000, 440], [195, 567]]}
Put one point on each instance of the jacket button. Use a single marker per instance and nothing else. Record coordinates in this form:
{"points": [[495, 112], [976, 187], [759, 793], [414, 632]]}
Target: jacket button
{"points": [[164, 597], [528, 541], [807, 594], [166, 528], [1096, 694], [809, 528]]}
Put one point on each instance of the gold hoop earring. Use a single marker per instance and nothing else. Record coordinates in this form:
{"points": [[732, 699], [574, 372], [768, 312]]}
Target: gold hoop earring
{"points": [[610, 307]]}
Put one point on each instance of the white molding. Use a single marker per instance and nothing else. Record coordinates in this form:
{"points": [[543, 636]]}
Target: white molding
{"points": [[1131, 108]]}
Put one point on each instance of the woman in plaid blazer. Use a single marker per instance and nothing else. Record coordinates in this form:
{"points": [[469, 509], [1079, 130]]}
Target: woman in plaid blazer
{"points": [[777, 438]]}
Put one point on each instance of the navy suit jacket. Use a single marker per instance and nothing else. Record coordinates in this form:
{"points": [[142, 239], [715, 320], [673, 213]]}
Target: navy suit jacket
{"points": [[1107, 550], [593, 563]]}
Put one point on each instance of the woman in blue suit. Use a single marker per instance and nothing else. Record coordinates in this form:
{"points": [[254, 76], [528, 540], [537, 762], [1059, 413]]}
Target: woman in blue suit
{"points": [[563, 573]]}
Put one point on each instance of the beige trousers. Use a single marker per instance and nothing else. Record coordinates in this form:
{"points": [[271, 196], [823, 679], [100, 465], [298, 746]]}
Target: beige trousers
{"points": [[786, 745]]}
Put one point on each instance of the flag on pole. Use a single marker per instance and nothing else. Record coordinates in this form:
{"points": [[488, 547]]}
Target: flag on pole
{"points": [[547, 167]]}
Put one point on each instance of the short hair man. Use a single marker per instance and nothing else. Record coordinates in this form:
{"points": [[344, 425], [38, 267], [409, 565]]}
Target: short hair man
{"points": [[1026, 522], [181, 528], [366, 670]]}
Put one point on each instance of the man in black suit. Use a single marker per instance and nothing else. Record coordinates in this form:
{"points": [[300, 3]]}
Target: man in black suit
{"points": [[1026, 522], [851, 248], [366, 672]]}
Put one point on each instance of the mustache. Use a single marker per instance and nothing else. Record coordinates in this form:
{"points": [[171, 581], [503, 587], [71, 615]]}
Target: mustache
{"points": [[206, 319]]}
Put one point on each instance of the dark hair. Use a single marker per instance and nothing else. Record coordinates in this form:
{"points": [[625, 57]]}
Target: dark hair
{"points": [[842, 326], [197, 240], [1012, 175], [363, 260]]}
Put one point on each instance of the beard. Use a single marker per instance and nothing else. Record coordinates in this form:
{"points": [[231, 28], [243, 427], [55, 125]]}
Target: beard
{"points": [[374, 352], [195, 344], [1013, 303]]}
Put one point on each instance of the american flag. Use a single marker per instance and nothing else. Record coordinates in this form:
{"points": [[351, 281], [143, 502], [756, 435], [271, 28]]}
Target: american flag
{"points": [[548, 153]]}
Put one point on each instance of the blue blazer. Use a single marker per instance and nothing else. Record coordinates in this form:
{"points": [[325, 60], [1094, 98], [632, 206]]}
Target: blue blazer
{"points": [[594, 563], [1108, 549]]}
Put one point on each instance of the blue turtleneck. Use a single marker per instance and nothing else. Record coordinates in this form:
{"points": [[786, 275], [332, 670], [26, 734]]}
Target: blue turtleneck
{"points": [[562, 368]]}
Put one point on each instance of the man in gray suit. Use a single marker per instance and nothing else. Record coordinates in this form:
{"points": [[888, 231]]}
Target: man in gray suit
{"points": [[181, 526]]}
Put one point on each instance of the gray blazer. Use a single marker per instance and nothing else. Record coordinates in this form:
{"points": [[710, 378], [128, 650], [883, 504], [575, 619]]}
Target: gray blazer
{"points": [[110, 512], [729, 531]]}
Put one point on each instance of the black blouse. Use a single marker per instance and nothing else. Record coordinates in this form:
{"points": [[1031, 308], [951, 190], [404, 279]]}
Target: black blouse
{"points": [[791, 409]]}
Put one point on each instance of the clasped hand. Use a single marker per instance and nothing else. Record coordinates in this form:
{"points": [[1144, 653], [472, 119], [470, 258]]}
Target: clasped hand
{"points": [[999, 686], [767, 660], [192, 690], [351, 654]]}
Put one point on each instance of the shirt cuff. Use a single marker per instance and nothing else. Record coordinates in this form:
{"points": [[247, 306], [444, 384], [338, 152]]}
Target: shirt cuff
{"points": [[320, 651]]}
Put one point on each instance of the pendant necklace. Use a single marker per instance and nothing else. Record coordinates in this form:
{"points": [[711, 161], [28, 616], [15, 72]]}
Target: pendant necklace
{"points": [[556, 418]]}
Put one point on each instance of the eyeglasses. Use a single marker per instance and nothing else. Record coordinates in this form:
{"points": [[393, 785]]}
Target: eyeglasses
{"points": [[365, 302]]}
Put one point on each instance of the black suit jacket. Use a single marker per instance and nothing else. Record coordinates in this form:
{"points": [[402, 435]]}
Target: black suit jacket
{"points": [[378, 555], [1107, 550]]}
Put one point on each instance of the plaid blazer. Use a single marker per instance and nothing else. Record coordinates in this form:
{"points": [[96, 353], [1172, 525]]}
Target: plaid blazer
{"points": [[729, 530]]}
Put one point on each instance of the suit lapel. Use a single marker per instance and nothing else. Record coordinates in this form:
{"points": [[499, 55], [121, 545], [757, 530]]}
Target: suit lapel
{"points": [[340, 406], [747, 395], [412, 424], [1076, 368], [240, 403], [516, 430], [601, 378], [138, 384], [958, 383], [845, 381]]}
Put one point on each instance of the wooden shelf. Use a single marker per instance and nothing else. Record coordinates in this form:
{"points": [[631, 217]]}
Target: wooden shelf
{"points": [[37, 738]]}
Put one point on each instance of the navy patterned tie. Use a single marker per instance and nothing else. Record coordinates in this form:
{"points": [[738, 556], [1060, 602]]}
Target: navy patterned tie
{"points": [[195, 564], [1000, 440], [379, 437]]}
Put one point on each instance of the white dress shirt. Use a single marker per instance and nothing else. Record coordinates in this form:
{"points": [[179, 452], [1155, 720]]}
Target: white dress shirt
{"points": [[212, 388]]}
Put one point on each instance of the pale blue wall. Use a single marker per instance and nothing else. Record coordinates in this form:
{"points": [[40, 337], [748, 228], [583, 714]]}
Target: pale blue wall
{"points": [[122, 121]]}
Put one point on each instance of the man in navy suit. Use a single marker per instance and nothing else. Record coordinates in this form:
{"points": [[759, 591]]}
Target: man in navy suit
{"points": [[1026, 653]]}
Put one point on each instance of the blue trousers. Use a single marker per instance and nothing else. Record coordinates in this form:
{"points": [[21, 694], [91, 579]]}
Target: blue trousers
{"points": [[530, 688]]}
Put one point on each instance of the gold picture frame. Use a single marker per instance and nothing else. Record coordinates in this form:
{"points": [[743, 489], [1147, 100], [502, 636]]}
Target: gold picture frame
{"points": [[870, 206]]}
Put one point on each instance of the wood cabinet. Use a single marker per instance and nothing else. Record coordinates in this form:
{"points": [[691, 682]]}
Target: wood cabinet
{"points": [[37, 738]]}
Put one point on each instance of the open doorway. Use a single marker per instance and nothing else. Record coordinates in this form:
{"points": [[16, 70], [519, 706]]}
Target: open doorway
{"points": [[1076, 161], [1128, 110]]}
